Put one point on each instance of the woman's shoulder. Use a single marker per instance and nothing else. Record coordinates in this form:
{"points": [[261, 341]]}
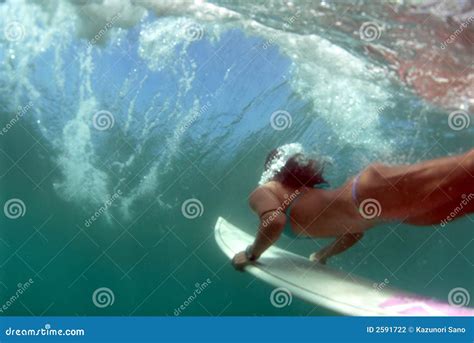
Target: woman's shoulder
{"points": [[264, 197], [264, 191]]}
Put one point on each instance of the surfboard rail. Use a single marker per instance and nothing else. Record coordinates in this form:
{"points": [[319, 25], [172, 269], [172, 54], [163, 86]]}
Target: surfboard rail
{"points": [[323, 286]]}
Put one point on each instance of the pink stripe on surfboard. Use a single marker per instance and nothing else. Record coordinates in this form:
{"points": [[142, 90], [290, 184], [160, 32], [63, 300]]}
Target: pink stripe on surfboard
{"points": [[419, 306]]}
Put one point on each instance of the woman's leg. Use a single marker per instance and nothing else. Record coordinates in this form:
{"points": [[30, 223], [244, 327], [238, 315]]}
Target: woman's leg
{"points": [[426, 191], [445, 213], [453, 196]]}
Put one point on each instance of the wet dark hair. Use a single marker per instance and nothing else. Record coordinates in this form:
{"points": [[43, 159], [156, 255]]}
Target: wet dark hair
{"points": [[298, 171]]}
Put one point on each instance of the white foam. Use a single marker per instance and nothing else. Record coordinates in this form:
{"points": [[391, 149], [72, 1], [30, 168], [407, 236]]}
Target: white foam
{"points": [[282, 156], [338, 84], [83, 181], [94, 16]]}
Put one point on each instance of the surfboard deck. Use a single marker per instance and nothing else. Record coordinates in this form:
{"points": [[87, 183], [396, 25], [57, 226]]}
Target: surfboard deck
{"points": [[323, 286]]}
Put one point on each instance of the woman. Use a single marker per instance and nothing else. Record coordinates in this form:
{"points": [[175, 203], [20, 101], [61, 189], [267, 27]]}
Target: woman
{"points": [[291, 198]]}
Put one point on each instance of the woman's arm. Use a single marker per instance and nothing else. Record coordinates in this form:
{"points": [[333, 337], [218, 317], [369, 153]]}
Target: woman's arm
{"points": [[268, 233], [271, 226], [341, 244]]}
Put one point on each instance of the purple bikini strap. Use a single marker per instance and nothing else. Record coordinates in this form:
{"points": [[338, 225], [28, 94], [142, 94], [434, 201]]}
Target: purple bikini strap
{"points": [[354, 189]]}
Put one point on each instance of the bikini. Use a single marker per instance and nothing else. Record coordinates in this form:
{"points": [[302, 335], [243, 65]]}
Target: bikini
{"points": [[288, 231], [354, 190]]}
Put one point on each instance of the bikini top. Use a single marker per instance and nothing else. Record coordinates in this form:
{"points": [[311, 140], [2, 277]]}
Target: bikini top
{"points": [[288, 231]]}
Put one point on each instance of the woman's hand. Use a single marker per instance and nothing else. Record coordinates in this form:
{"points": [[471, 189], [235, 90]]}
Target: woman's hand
{"points": [[240, 260], [318, 257], [341, 244]]}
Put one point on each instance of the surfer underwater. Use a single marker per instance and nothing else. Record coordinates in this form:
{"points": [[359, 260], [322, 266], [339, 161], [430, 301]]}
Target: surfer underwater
{"points": [[293, 198]]}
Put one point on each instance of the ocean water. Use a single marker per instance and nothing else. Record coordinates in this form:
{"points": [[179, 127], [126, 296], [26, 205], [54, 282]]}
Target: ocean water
{"points": [[129, 127]]}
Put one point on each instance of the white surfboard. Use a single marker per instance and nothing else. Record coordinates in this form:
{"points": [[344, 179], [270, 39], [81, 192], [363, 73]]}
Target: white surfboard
{"points": [[323, 286]]}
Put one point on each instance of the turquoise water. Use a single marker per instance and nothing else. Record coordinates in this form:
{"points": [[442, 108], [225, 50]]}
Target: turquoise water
{"points": [[174, 103]]}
